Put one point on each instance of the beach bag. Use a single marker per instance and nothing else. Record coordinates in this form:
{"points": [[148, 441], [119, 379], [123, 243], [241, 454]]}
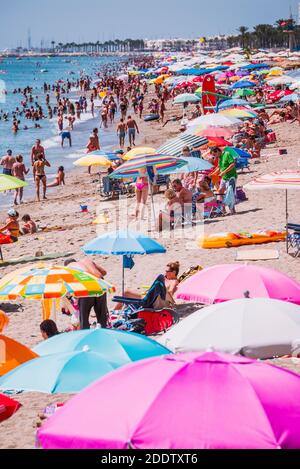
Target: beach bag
{"points": [[240, 194], [157, 321]]}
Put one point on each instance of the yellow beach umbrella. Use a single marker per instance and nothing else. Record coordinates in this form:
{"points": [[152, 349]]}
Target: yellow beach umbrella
{"points": [[275, 73], [93, 160], [159, 80], [138, 151]]}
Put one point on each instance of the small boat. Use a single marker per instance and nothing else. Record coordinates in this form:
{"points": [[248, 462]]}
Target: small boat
{"points": [[43, 70]]}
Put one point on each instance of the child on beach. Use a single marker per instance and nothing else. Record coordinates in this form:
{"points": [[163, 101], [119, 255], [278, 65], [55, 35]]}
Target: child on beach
{"points": [[29, 226]]}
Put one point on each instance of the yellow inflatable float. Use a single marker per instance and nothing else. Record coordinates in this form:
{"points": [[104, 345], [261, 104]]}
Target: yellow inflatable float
{"points": [[229, 240]]}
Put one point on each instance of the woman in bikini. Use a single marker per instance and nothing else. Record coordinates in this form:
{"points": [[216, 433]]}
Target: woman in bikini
{"points": [[142, 191], [40, 176]]}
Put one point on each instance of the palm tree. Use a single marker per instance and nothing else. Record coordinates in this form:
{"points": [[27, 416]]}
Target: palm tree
{"points": [[53, 44], [242, 30]]}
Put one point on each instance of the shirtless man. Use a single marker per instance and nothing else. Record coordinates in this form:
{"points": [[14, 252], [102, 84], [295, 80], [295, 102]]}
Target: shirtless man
{"points": [[7, 161], [132, 127], [185, 196], [121, 131]]}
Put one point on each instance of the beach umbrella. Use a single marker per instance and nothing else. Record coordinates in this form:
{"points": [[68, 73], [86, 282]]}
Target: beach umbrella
{"points": [[8, 407], [219, 142], [68, 372], [8, 183], [136, 151], [186, 98], [93, 160], [174, 146], [216, 132], [284, 80], [258, 328], [228, 103], [43, 281], [243, 84], [230, 281], [243, 92], [108, 155], [238, 152], [179, 407], [193, 164], [239, 113], [290, 97], [4, 320], [212, 120], [131, 169], [284, 180], [123, 243], [13, 354], [118, 346]]}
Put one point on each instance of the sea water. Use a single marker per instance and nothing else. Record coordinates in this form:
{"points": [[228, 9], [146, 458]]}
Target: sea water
{"points": [[16, 74]]}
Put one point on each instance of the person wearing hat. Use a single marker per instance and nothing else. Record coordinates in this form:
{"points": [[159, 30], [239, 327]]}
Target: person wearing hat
{"points": [[11, 227]]}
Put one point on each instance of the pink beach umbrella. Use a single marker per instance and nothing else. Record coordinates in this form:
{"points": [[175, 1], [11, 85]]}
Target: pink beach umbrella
{"points": [[194, 401], [230, 281]]}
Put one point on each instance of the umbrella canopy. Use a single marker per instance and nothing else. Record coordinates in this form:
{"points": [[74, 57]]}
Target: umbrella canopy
{"points": [[44, 281], [14, 354], [186, 98], [174, 146], [243, 92], [238, 152], [131, 169], [239, 113], [276, 180], [180, 407], [243, 84], [219, 141], [217, 132], [193, 164], [68, 372], [93, 160], [136, 151], [8, 407], [230, 281], [212, 120], [123, 243], [284, 80], [228, 103], [118, 346], [290, 97], [259, 328], [8, 183]]}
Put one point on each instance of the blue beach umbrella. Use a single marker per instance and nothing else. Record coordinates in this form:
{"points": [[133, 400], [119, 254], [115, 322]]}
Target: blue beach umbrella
{"points": [[107, 154], [237, 152], [242, 84], [231, 103], [193, 164], [59, 373], [290, 97], [121, 347], [124, 243]]}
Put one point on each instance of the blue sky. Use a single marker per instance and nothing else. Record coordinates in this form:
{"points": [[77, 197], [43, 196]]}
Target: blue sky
{"points": [[92, 20]]}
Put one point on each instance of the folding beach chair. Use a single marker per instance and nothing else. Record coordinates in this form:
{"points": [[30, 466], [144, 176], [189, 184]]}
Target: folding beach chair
{"points": [[293, 239]]}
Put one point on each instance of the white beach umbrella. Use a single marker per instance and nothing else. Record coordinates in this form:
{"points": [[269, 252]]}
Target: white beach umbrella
{"points": [[214, 120], [283, 80], [255, 327]]}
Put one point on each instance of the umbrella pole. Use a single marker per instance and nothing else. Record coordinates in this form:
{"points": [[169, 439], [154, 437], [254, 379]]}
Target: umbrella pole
{"points": [[152, 200], [123, 280], [286, 219]]}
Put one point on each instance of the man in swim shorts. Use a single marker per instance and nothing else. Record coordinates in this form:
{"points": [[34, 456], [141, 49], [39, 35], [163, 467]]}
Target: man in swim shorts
{"points": [[7, 161], [132, 127], [66, 134]]}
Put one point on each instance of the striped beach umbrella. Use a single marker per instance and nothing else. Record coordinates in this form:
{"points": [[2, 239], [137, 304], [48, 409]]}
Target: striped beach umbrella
{"points": [[44, 281], [239, 113], [174, 146], [161, 162], [285, 180]]}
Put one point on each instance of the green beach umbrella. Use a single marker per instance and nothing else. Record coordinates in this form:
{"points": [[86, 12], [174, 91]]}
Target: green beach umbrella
{"points": [[8, 183], [244, 92]]}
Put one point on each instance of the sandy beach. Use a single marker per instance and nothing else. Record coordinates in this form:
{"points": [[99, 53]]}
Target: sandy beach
{"points": [[69, 229]]}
